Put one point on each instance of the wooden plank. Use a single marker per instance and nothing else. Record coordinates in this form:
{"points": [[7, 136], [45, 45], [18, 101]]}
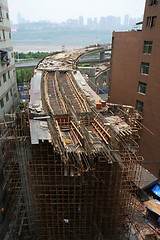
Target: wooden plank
{"points": [[153, 205]]}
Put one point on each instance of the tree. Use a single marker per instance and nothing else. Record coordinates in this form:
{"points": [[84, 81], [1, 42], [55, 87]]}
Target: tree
{"points": [[24, 75]]}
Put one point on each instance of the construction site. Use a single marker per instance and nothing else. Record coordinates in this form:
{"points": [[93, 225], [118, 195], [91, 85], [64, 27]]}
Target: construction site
{"points": [[69, 162]]}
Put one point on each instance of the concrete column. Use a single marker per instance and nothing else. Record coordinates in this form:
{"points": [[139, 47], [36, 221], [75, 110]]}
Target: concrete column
{"points": [[102, 56]]}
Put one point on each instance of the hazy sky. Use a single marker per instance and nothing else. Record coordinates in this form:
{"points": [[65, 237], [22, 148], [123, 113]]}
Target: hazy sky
{"points": [[60, 10]]}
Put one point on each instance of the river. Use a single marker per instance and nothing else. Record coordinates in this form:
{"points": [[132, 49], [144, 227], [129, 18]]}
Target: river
{"points": [[42, 48]]}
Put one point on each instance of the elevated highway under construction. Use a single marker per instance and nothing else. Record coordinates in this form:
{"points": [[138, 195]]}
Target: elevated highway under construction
{"points": [[81, 166]]}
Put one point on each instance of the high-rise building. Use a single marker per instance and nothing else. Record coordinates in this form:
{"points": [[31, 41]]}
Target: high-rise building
{"points": [[89, 22], [81, 21], [102, 22], [95, 21], [126, 20], [20, 19], [8, 85], [135, 79], [113, 22]]}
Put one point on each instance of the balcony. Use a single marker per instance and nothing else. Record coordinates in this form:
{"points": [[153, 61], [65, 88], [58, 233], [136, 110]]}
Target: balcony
{"points": [[4, 57]]}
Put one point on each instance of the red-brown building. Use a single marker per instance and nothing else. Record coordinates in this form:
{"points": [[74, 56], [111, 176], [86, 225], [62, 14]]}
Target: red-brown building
{"points": [[135, 79]]}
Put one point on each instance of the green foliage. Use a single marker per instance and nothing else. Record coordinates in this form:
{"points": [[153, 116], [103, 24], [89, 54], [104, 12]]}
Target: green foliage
{"points": [[85, 65], [24, 75], [30, 55]]}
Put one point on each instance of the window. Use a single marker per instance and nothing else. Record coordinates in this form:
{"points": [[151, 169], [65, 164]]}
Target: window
{"points": [[151, 21], [4, 77], [2, 103], [3, 34], [9, 35], [1, 16], [7, 15], [147, 48], [7, 97], [9, 76], [139, 106], [142, 87], [153, 2], [11, 92], [144, 68]]}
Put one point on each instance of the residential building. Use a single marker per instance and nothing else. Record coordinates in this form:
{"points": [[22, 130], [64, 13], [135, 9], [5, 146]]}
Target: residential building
{"points": [[135, 79], [8, 86], [8, 104]]}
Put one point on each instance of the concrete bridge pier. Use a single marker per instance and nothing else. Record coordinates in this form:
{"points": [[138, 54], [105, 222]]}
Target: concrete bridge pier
{"points": [[102, 56], [90, 71]]}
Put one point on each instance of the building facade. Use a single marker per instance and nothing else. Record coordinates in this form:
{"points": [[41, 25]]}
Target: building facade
{"points": [[8, 104], [135, 79], [8, 85]]}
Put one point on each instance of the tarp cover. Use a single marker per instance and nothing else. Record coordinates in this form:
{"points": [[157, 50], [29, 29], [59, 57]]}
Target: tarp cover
{"points": [[156, 190]]}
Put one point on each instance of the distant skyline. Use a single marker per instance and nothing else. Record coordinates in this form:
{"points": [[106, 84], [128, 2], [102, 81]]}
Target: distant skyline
{"points": [[59, 11]]}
